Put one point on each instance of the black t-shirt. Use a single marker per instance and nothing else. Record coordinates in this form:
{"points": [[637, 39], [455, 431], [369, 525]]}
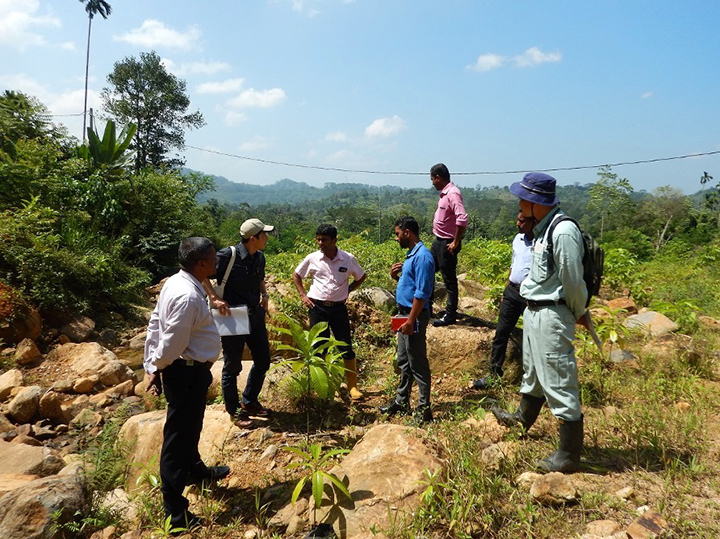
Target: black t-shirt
{"points": [[248, 272]]}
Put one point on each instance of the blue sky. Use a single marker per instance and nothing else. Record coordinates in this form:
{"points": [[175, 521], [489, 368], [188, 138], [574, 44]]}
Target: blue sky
{"points": [[398, 85]]}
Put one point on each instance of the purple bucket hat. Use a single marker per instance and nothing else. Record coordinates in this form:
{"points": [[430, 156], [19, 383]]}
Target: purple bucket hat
{"points": [[536, 187]]}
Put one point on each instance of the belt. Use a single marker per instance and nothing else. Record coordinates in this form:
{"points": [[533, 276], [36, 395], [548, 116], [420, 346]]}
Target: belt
{"points": [[327, 303], [514, 285], [192, 363], [444, 239], [544, 303], [404, 310]]}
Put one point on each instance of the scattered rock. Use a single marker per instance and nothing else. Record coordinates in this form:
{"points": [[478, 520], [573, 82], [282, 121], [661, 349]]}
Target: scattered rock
{"points": [[494, 454], [27, 512], [457, 348], [26, 352], [471, 288], [682, 406], [647, 526], [553, 489], [374, 296], [138, 341], [618, 355], [623, 303], [25, 404], [62, 386], [125, 389], [9, 482], [5, 424], [84, 385], [91, 358], [603, 528], [526, 479], [625, 493], [51, 407], [269, 452], [79, 329], [29, 460], [651, 323], [9, 381], [487, 429], [86, 419], [119, 501]]}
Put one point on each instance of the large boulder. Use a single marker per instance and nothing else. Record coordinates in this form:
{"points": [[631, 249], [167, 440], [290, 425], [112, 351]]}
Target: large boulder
{"points": [[25, 405], [90, 358], [28, 460], [144, 432], [458, 348], [18, 320], [9, 381], [51, 407], [651, 323], [79, 329], [27, 352], [32, 511], [385, 469], [373, 296]]}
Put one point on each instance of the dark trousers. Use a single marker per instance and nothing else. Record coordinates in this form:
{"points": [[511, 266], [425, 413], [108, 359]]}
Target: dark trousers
{"points": [[413, 363], [185, 390], [233, 347], [446, 264], [511, 308], [338, 321]]}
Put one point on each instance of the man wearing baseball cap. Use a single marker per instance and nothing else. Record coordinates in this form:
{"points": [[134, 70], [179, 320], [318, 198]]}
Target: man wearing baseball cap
{"points": [[244, 285], [555, 293]]}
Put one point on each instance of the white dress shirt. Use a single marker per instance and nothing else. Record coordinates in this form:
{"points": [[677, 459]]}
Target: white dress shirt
{"points": [[180, 325], [330, 278]]}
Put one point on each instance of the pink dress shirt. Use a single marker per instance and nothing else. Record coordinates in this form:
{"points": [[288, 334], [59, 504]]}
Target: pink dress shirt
{"points": [[331, 278], [450, 213]]}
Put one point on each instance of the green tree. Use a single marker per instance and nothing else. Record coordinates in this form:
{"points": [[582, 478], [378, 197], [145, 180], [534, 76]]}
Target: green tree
{"points": [[144, 93], [662, 214], [92, 7], [611, 201]]}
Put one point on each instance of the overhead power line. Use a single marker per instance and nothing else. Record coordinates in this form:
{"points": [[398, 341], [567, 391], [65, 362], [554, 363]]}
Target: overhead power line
{"points": [[476, 173]]}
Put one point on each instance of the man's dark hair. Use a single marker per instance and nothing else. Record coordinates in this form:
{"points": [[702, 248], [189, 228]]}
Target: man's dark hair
{"points": [[408, 223], [441, 171], [192, 250], [327, 230]]}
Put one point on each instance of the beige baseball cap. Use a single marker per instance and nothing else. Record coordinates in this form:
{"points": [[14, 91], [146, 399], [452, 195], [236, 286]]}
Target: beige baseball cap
{"points": [[251, 227]]}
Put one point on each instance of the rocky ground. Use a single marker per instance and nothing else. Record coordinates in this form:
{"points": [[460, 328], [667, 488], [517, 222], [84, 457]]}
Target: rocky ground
{"points": [[60, 390]]}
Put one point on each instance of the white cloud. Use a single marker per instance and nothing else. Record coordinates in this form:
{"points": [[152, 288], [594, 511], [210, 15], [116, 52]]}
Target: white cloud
{"points": [[336, 136], [18, 21], [487, 62], [68, 46], [263, 99], [531, 57], [258, 143], [346, 157], [534, 56], [154, 34], [646, 95], [233, 117], [385, 127], [224, 87]]}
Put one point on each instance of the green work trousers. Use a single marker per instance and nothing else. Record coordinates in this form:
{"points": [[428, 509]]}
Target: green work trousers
{"points": [[549, 359]]}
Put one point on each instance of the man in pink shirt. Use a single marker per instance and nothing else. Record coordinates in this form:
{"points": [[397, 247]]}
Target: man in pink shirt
{"points": [[331, 269], [449, 225]]}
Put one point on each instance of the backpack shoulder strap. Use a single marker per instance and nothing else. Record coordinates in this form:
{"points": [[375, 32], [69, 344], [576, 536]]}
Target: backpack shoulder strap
{"points": [[549, 238], [229, 267]]}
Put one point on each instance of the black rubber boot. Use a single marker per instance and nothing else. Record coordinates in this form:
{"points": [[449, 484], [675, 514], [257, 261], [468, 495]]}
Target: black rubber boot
{"points": [[525, 415], [567, 458]]}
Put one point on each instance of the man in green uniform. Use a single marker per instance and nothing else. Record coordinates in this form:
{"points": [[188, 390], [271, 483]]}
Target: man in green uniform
{"points": [[556, 294]]}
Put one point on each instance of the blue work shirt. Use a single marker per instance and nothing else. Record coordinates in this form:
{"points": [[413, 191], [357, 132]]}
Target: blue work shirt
{"points": [[417, 279]]}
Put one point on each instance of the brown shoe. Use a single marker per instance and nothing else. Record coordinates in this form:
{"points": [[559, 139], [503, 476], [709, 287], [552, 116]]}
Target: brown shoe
{"points": [[255, 409], [244, 423]]}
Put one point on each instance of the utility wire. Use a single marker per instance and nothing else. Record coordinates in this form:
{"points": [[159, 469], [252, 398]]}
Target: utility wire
{"points": [[478, 173]]}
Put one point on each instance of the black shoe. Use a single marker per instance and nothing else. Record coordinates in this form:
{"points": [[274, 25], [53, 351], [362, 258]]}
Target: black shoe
{"points": [[210, 475], [422, 415], [567, 457], [444, 320], [525, 415], [395, 407], [487, 382], [184, 522]]}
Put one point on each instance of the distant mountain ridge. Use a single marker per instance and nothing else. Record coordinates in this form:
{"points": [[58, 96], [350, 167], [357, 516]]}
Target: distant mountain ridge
{"points": [[283, 191]]}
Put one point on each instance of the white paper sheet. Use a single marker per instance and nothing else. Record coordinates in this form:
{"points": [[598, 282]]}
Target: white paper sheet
{"points": [[235, 323]]}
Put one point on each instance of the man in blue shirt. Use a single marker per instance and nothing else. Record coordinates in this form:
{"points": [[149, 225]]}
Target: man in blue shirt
{"points": [[416, 280], [512, 304]]}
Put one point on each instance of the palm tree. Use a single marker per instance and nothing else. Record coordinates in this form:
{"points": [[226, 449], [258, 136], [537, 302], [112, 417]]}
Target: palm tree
{"points": [[92, 7]]}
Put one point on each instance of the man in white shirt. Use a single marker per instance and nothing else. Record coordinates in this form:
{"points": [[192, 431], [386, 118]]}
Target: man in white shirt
{"points": [[331, 269], [181, 345], [512, 304]]}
